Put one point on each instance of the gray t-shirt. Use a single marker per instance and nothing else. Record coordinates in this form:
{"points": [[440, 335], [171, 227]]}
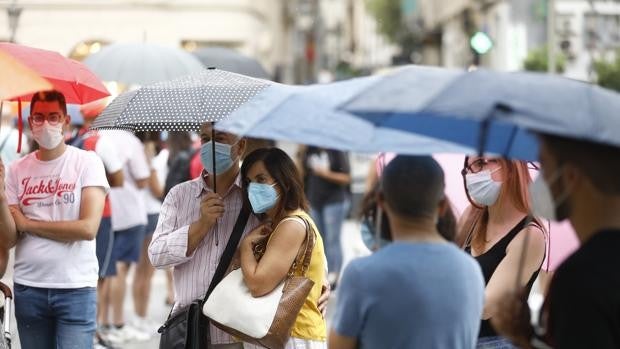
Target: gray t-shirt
{"points": [[412, 295]]}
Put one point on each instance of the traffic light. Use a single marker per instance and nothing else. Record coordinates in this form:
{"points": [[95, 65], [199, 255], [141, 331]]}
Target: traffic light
{"points": [[481, 43]]}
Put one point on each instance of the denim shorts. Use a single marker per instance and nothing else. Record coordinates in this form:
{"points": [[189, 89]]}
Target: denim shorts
{"points": [[105, 246], [128, 244], [151, 225]]}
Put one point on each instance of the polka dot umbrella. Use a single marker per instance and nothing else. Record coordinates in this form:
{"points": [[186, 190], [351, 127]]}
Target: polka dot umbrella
{"points": [[181, 104]]}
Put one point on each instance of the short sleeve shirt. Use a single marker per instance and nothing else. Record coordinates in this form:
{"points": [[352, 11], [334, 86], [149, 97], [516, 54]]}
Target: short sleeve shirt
{"points": [[52, 191], [411, 295]]}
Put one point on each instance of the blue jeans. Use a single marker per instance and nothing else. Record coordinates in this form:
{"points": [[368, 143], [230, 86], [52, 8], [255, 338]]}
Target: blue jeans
{"points": [[494, 343], [329, 219], [55, 318]]}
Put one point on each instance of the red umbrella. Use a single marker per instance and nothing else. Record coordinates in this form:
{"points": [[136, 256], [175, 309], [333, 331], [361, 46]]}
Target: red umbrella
{"points": [[72, 78]]}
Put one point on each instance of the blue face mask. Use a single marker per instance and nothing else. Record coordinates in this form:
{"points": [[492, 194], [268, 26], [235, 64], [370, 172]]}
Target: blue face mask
{"points": [[223, 161], [262, 196]]}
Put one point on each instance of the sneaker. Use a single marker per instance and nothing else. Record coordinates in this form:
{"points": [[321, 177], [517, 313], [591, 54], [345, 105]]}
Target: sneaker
{"points": [[101, 342], [146, 325], [126, 334]]}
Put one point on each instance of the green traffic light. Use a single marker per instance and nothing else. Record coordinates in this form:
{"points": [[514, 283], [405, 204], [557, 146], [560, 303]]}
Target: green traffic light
{"points": [[481, 43]]}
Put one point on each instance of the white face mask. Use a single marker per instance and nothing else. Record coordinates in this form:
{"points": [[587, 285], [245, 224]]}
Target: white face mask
{"points": [[543, 204], [482, 188], [47, 136]]}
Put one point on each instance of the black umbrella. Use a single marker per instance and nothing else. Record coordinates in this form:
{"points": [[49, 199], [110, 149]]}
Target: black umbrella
{"points": [[232, 61], [183, 104]]}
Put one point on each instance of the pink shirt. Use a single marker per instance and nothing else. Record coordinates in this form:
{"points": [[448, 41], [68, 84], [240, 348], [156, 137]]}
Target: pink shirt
{"points": [[168, 248]]}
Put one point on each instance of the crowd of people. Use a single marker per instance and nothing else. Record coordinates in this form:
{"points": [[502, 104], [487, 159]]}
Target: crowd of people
{"points": [[81, 213]]}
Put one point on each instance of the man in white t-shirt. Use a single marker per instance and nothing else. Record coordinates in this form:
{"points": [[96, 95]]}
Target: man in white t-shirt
{"points": [[129, 219], [50, 211]]}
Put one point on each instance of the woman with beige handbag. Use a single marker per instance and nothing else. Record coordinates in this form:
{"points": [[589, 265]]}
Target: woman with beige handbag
{"points": [[282, 263]]}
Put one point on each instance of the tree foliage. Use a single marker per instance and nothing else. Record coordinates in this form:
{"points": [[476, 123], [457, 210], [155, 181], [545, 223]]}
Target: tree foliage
{"points": [[537, 60], [608, 73], [389, 17], [392, 24]]}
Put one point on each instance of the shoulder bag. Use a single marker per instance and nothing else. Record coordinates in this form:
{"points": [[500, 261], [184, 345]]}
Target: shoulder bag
{"points": [[268, 320], [189, 328]]}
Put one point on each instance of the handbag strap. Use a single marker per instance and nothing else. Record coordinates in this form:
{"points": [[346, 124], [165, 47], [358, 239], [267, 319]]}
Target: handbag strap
{"points": [[305, 253], [229, 251]]}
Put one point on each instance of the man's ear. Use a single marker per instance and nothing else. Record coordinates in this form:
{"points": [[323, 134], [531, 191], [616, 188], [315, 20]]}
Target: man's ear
{"points": [[571, 177], [444, 206], [242, 144], [67, 120], [30, 122]]}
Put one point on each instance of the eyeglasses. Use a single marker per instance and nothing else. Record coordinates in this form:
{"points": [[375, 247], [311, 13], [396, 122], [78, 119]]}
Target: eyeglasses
{"points": [[482, 164], [53, 119], [478, 166]]}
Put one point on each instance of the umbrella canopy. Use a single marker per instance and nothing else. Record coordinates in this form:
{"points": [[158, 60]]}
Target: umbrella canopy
{"points": [[182, 104], [76, 82], [308, 115], [232, 61], [141, 63], [18, 79], [490, 110]]}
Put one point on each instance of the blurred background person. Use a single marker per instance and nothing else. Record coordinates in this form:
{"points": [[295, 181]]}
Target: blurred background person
{"points": [[180, 153], [129, 219], [153, 194], [327, 179], [494, 230]]}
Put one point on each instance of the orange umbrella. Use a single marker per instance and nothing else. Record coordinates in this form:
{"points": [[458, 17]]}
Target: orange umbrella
{"points": [[18, 80]]}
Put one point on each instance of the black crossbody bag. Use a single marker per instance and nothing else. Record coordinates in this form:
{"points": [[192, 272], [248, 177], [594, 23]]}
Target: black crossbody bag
{"points": [[189, 328]]}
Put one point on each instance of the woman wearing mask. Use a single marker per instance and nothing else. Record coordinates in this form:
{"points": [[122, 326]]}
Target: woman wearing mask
{"points": [[274, 189], [494, 230]]}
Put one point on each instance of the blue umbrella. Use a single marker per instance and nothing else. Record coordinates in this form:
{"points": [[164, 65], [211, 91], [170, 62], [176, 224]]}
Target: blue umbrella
{"points": [[308, 114], [492, 111]]}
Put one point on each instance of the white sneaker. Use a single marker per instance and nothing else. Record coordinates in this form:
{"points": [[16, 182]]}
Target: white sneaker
{"points": [[126, 334], [114, 336], [146, 325]]}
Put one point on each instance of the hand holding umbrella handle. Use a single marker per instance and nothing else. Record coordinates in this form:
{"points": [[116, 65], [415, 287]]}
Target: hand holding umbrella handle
{"points": [[213, 149]]}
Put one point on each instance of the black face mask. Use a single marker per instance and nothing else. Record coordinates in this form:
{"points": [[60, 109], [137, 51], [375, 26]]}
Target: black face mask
{"points": [[563, 210]]}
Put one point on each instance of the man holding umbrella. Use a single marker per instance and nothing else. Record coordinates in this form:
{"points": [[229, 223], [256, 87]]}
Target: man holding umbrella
{"points": [[196, 222], [50, 210], [582, 310]]}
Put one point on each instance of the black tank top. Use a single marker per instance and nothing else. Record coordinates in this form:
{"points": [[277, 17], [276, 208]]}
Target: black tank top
{"points": [[488, 263]]}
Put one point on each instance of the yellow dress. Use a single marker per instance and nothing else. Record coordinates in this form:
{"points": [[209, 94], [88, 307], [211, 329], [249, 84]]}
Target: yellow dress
{"points": [[310, 323]]}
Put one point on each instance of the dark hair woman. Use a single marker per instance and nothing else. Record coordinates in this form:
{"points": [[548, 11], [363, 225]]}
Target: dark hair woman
{"points": [[274, 189]]}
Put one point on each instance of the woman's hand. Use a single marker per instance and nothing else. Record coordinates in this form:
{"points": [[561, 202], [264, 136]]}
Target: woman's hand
{"points": [[258, 234]]}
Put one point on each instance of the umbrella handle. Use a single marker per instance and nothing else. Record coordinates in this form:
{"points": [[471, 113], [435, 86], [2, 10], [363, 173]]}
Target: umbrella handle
{"points": [[213, 149]]}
